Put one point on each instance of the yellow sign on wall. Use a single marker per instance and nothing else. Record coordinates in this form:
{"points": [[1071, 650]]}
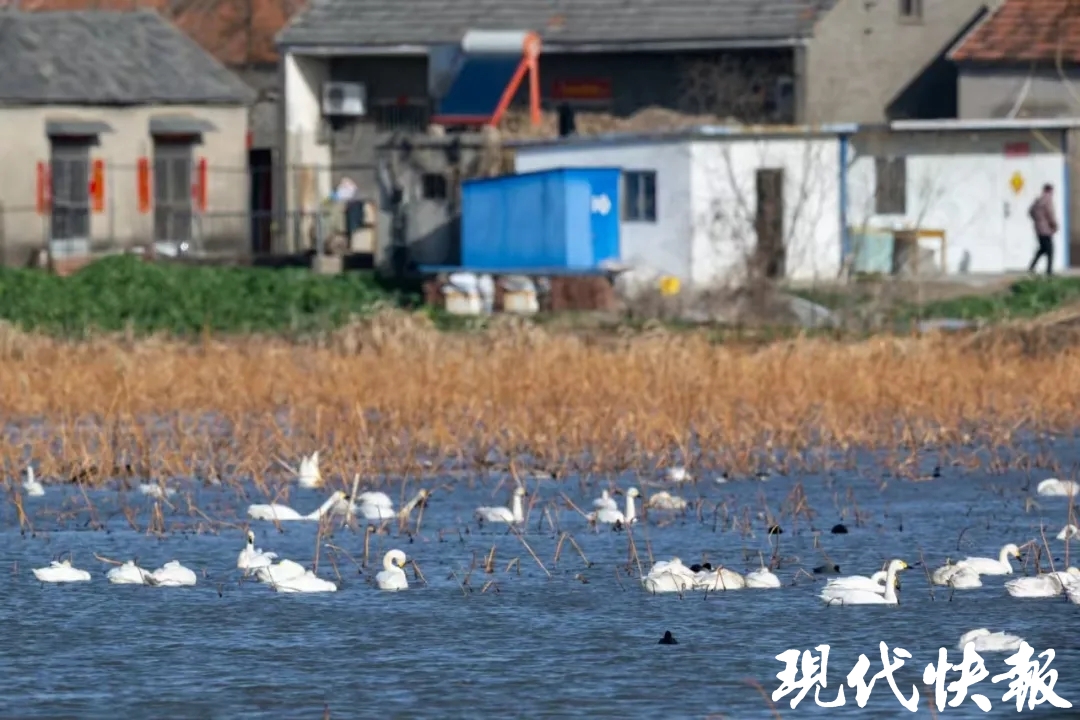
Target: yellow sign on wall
{"points": [[669, 286], [1016, 182]]}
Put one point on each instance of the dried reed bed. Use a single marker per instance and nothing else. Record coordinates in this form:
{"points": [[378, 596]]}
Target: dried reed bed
{"points": [[383, 395]]}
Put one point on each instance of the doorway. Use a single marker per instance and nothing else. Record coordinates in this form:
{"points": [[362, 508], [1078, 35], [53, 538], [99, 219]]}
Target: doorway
{"points": [[261, 204], [173, 208], [769, 259]]}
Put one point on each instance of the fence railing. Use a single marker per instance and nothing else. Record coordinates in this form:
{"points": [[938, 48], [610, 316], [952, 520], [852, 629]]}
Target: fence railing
{"points": [[198, 209]]}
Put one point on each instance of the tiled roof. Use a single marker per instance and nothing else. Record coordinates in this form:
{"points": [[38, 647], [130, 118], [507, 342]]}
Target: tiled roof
{"points": [[220, 26], [425, 22], [108, 58], [1025, 31]]}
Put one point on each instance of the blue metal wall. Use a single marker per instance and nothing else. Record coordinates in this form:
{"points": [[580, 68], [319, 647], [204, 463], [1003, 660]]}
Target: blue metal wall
{"points": [[554, 220]]}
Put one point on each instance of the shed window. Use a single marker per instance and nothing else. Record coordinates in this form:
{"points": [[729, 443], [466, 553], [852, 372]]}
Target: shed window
{"points": [[434, 186], [890, 193], [911, 10], [173, 212], [69, 165], [639, 194]]}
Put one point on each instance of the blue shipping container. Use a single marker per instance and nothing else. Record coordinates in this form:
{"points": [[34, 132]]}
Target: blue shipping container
{"points": [[554, 220]]}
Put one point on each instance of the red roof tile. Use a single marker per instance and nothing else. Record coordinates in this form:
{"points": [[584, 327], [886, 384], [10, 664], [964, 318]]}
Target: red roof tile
{"points": [[1025, 31], [219, 26]]}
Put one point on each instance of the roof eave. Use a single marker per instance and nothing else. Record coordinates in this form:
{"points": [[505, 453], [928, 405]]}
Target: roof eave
{"points": [[28, 102], [573, 47], [1017, 62]]}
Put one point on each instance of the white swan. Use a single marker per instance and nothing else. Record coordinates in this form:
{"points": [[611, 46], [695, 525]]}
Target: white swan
{"points": [[513, 515], [1068, 532], [156, 491], [875, 582], [374, 506], [762, 578], [1052, 487], [678, 474], [309, 582], [130, 574], [392, 576], [850, 596], [963, 578], [1044, 585], [989, 566], [279, 572], [669, 576], [943, 574], [309, 475], [32, 487], [986, 641], [664, 500], [418, 499], [173, 574], [614, 517], [605, 502], [61, 572], [283, 512], [251, 558], [719, 579]]}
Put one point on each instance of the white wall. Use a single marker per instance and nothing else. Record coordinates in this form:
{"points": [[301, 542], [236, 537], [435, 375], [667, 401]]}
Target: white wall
{"points": [[724, 182], [959, 182], [307, 176], [662, 247]]}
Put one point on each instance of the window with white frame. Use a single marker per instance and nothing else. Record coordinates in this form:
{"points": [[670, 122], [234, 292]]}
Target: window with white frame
{"points": [[639, 196]]}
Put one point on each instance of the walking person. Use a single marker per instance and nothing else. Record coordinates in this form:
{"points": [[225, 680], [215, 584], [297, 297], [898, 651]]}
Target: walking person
{"points": [[1042, 214]]}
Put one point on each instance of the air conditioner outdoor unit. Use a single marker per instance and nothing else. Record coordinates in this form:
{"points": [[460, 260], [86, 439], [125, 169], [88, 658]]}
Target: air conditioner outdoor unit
{"points": [[344, 98]]}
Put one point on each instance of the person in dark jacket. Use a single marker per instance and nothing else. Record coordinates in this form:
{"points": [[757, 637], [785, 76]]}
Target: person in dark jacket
{"points": [[1042, 214]]}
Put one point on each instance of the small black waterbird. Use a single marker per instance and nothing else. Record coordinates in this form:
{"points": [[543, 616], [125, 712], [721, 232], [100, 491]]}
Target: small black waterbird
{"points": [[668, 639]]}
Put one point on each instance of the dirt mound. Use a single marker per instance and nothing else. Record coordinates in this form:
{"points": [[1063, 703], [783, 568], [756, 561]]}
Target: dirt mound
{"points": [[516, 125]]}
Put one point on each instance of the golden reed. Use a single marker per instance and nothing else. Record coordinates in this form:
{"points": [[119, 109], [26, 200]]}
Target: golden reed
{"points": [[379, 396]]}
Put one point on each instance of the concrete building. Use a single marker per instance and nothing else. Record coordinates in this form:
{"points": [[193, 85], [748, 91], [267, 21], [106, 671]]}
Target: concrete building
{"points": [[878, 60], [960, 189], [772, 61], [137, 137], [1008, 64], [1023, 61], [713, 204]]}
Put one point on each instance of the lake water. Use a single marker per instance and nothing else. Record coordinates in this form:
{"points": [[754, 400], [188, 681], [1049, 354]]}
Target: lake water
{"points": [[530, 646]]}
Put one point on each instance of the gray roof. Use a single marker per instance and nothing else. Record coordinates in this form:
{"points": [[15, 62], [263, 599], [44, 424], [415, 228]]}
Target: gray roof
{"points": [[108, 58], [561, 22]]}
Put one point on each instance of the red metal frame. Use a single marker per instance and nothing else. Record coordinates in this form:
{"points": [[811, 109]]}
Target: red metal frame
{"points": [[530, 63]]}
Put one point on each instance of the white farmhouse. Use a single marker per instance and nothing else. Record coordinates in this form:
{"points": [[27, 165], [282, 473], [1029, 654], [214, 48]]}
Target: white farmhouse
{"points": [[803, 204]]}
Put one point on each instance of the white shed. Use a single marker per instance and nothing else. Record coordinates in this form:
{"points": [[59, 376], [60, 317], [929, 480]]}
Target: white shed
{"points": [[693, 202], [962, 186]]}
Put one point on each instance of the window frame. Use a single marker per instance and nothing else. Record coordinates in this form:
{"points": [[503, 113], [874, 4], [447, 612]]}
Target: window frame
{"points": [[635, 201], [890, 185], [910, 11], [174, 211], [69, 193]]}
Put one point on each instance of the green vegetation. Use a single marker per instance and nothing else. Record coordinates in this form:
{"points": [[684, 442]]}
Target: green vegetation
{"points": [[1024, 299], [124, 292]]}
